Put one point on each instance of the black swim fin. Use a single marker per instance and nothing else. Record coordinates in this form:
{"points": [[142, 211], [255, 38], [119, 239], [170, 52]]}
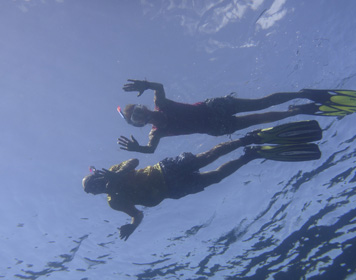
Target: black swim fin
{"points": [[331, 102], [298, 152], [290, 133]]}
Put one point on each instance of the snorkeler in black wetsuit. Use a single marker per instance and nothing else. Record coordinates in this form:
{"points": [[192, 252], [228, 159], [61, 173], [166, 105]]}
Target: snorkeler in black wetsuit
{"points": [[215, 116]]}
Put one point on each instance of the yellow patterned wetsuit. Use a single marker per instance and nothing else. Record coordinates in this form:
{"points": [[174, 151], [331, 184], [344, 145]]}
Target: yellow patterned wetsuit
{"points": [[144, 187]]}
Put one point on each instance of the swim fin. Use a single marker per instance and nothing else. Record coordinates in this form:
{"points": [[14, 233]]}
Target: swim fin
{"points": [[289, 133], [297, 152], [332, 102]]}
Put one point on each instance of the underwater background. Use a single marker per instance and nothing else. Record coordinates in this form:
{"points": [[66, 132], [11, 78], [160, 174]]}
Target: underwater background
{"points": [[62, 67]]}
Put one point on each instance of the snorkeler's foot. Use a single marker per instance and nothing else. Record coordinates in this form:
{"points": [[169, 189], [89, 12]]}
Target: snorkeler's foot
{"points": [[294, 152], [332, 102], [287, 133], [331, 96], [306, 109]]}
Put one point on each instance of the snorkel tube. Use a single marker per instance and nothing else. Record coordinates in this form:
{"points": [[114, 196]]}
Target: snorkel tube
{"points": [[122, 114]]}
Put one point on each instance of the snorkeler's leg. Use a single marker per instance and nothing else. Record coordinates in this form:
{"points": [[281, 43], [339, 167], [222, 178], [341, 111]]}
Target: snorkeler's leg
{"points": [[221, 149], [246, 105], [212, 177], [241, 122]]}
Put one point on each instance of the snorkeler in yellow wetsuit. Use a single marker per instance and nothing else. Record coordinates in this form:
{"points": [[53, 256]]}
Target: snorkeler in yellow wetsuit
{"points": [[179, 176]]}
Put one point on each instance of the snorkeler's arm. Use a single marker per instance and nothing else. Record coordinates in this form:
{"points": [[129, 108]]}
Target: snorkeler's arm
{"points": [[123, 205], [136, 218], [125, 166], [153, 141], [133, 146], [160, 95]]}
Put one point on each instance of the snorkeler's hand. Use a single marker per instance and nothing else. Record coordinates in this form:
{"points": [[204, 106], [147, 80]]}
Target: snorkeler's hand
{"points": [[126, 231], [136, 85], [127, 144], [111, 176]]}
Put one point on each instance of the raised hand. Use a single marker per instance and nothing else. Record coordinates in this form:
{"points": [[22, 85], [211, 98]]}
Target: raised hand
{"points": [[127, 144], [111, 176], [136, 85]]}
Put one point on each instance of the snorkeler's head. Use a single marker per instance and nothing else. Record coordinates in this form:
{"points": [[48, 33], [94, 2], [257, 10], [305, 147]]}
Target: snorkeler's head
{"points": [[94, 183], [135, 114]]}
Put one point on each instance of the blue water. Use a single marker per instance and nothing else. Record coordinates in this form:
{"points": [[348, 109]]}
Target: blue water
{"points": [[62, 66]]}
